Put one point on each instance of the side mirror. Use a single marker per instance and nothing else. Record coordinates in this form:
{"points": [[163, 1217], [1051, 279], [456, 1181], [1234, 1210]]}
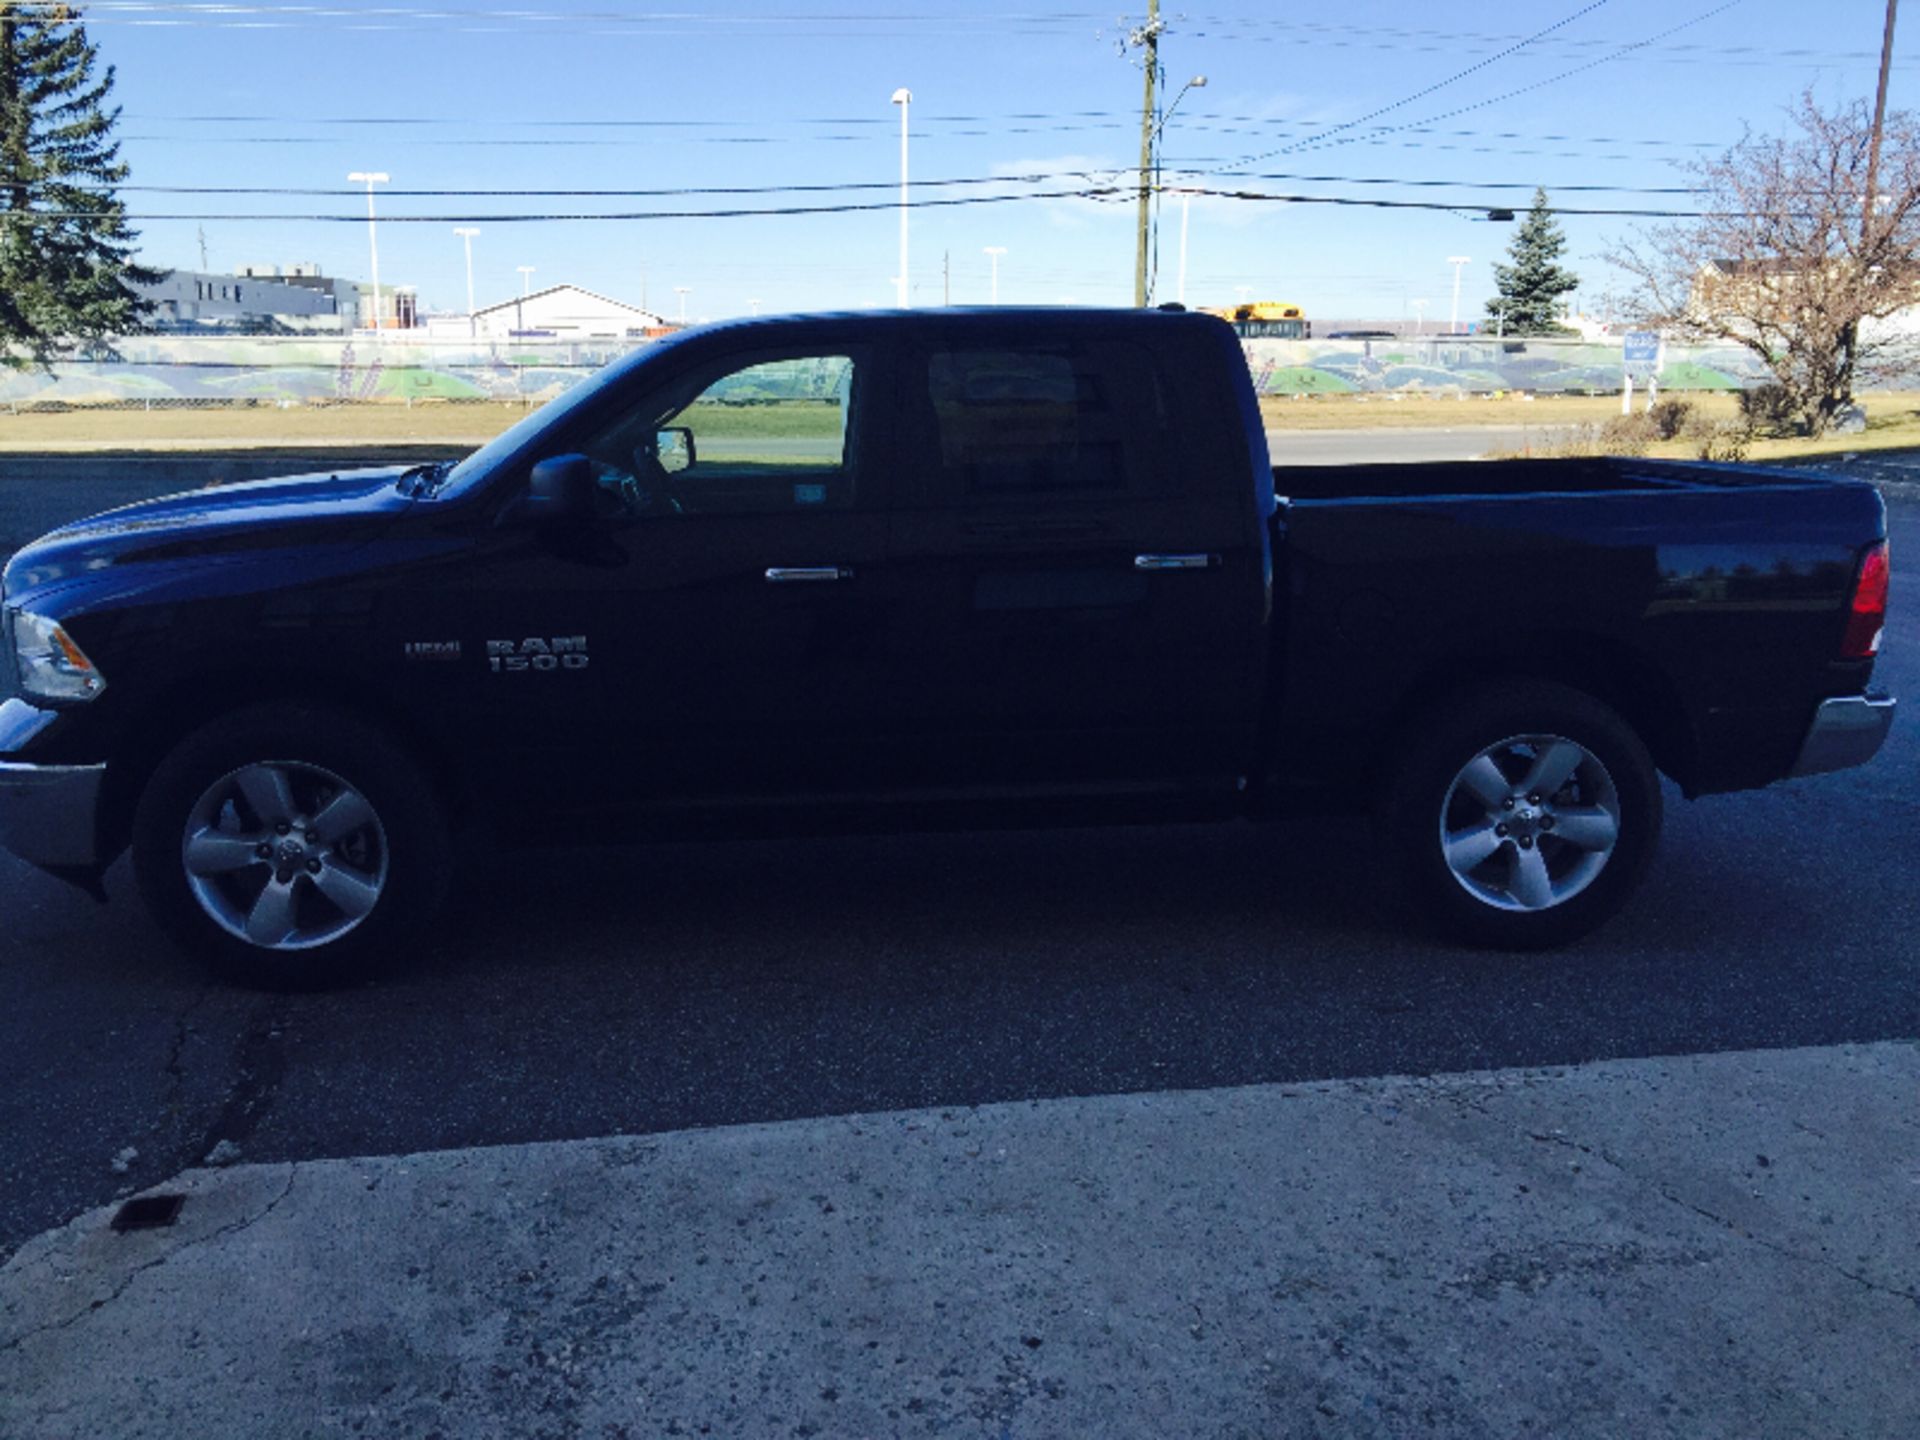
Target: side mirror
{"points": [[673, 448], [559, 490]]}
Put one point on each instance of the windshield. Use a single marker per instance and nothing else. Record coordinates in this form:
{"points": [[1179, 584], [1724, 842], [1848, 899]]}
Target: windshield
{"points": [[555, 412]]}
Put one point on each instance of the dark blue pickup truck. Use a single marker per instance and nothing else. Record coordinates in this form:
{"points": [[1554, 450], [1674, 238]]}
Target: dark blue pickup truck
{"points": [[935, 569]]}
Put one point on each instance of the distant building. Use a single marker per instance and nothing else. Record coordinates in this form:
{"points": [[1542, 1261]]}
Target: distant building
{"points": [[1734, 293], [399, 307], [565, 312], [255, 301]]}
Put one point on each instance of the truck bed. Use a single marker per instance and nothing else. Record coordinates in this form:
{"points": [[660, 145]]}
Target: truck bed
{"points": [[1713, 592]]}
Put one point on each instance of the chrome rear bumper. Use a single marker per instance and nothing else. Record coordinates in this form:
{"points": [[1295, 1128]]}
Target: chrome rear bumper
{"points": [[1845, 732]]}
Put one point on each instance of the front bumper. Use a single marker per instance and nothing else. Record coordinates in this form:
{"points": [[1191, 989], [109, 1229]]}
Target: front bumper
{"points": [[49, 814], [1845, 732]]}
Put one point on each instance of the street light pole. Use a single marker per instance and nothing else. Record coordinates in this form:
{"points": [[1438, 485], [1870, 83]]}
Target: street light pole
{"points": [[681, 291], [755, 303], [371, 178], [994, 252], [1453, 320], [466, 234], [903, 97], [526, 280], [1186, 198]]}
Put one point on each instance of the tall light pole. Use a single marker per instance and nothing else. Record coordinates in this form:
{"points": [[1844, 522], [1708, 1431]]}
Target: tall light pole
{"points": [[755, 303], [903, 97], [1419, 315], [371, 178], [1453, 319], [466, 234], [1195, 83], [526, 280], [994, 252], [1186, 199], [681, 291]]}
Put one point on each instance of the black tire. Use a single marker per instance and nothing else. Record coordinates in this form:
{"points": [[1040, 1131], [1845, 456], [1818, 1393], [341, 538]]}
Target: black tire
{"points": [[1429, 790], [403, 852]]}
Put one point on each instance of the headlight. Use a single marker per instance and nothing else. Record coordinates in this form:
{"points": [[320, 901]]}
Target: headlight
{"points": [[51, 666]]}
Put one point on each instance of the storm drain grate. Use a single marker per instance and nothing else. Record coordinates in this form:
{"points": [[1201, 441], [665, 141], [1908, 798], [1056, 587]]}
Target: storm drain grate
{"points": [[149, 1212]]}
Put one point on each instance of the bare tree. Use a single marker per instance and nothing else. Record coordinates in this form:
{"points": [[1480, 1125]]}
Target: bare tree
{"points": [[1790, 259]]}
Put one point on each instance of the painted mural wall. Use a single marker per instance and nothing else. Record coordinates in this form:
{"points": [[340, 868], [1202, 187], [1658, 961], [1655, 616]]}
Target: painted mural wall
{"points": [[290, 370]]}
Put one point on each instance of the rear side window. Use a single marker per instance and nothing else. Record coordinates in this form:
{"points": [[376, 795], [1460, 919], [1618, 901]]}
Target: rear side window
{"points": [[1082, 418]]}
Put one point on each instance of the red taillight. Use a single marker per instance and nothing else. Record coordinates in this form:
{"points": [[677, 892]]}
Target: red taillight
{"points": [[1869, 611]]}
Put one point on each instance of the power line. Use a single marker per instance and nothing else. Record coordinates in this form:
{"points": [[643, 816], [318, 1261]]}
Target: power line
{"points": [[1371, 203], [797, 188], [479, 218], [835, 187], [1470, 70], [1321, 141]]}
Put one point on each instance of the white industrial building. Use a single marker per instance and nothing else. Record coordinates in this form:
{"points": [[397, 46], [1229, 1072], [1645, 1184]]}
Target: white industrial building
{"points": [[565, 312]]}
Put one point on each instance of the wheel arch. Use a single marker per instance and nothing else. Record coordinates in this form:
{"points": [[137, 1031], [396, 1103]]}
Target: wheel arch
{"points": [[191, 702], [1618, 676]]}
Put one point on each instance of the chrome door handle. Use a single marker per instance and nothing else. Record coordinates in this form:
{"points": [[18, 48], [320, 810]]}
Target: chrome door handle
{"points": [[1175, 562], [784, 574]]}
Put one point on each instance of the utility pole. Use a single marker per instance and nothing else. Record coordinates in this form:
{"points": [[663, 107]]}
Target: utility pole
{"points": [[946, 278], [1148, 37], [1879, 120], [203, 249], [994, 252]]}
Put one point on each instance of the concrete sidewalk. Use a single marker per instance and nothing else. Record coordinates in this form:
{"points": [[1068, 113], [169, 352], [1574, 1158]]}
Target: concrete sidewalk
{"points": [[1707, 1246]]}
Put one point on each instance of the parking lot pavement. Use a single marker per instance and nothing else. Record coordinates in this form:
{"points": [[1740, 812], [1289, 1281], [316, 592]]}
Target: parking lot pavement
{"points": [[578, 994], [1699, 1247], [581, 995]]}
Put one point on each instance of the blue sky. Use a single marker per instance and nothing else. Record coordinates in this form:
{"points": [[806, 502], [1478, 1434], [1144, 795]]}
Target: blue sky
{"points": [[466, 95]]}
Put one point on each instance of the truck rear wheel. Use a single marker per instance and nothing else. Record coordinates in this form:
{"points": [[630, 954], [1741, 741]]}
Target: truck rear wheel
{"points": [[290, 847], [1522, 815]]}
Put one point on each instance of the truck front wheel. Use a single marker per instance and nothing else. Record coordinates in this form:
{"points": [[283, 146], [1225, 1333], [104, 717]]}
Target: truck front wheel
{"points": [[290, 847], [1522, 815]]}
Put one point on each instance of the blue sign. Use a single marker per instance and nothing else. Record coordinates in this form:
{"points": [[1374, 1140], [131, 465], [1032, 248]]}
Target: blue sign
{"points": [[1642, 347]]}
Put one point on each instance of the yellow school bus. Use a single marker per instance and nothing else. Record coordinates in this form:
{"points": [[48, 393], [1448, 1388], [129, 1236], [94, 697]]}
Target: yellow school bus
{"points": [[1267, 320]]}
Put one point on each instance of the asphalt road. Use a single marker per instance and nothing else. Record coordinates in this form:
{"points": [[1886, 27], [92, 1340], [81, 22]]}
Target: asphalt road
{"points": [[581, 994], [1413, 445]]}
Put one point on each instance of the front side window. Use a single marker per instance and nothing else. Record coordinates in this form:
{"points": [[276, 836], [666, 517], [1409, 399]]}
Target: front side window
{"points": [[759, 438]]}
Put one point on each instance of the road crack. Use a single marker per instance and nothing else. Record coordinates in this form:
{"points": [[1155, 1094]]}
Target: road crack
{"points": [[1477, 1104]]}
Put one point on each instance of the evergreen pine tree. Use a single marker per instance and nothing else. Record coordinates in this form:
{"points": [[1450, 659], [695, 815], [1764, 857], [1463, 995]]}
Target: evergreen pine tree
{"points": [[1531, 286], [66, 266]]}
